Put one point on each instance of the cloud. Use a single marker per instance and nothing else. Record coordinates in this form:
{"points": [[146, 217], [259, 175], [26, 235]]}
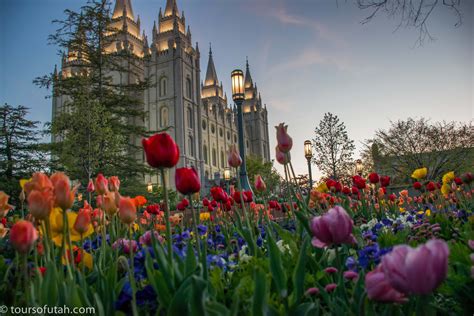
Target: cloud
{"points": [[310, 57]]}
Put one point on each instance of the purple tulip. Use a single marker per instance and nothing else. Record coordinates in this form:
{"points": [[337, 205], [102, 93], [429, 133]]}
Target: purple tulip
{"points": [[417, 270], [334, 227], [379, 289]]}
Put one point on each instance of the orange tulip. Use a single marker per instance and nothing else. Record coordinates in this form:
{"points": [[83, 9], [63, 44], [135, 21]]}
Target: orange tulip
{"points": [[127, 210], [40, 204], [23, 236], [64, 196]]}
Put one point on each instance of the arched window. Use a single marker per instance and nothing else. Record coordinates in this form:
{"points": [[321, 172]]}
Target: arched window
{"points": [[163, 86], [190, 118], [191, 146], [206, 159], [214, 157], [222, 159], [164, 119], [189, 91]]}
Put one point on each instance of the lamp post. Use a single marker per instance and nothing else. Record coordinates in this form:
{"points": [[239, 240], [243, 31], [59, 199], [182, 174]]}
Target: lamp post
{"points": [[237, 77], [308, 153], [227, 178], [149, 187], [359, 167]]}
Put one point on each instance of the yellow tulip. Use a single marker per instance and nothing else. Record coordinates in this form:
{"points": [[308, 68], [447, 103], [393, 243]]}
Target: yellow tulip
{"points": [[445, 189], [428, 212], [402, 210], [420, 173], [322, 187], [23, 182], [57, 225], [204, 216], [448, 177]]}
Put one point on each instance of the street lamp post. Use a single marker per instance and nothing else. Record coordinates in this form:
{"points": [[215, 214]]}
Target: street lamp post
{"points": [[308, 153], [359, 167], [237, 77], [227, 178], [149, 187]]}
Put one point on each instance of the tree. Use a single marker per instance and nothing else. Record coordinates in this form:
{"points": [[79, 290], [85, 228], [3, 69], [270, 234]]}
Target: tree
{"points": [[21, 152], [256, 166], [411, 144], [411, 13], [95, 129], [333, 147]]}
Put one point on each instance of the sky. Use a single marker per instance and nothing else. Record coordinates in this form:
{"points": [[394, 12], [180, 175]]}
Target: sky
{"points": [[307, 57]]}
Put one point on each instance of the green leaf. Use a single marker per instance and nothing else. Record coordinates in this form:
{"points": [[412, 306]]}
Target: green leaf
{"points": [[299, 273], [190, 263], [260, 293], [276, 266]]}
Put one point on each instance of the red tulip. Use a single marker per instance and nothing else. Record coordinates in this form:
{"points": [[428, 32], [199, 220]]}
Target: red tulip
{"points": [[374, 178], [458, 181], [260, 185], [334, 227], [431, 186], [346, 190], [285, 142], [40, 204], [205, 201], [417, 185], [161, 151], [355, 191], [214, 203], [187, 181], [218, 194], [64, 196], [101, 184], [180, 206], [233, 157], [379, 289], [281, 157], [23, 236], [359, 182], [153, 209], [384, 181], [467, 177], [127, 210], [114, 183], [392, 197]]}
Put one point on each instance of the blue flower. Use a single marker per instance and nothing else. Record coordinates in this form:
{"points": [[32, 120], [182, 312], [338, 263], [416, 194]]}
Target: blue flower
{"points": [[202, 229]]}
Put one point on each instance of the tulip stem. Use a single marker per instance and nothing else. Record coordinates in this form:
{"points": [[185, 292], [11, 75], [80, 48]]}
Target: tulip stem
{"points": [[167, 218], [132, 272], [195, 223]]}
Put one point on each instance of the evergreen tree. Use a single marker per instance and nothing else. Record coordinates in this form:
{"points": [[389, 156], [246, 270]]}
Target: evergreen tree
{"points": [[333, 147], [95, 128], [20, 150]]}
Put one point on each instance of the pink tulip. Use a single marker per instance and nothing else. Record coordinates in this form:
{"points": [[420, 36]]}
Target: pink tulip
{"points": [[417, 270], [101, 184], [330, 287], [350, 275], [23, 236], [379, 289], [312, 291], [114, 183], [334, 227], [281, 157], [330, 270], [260, 185], [147, 238], [233, 157], [285, 142], [90, 186]]}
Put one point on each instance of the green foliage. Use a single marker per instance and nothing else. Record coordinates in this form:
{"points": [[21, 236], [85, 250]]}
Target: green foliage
{"points": [[256, 166], [21, 150], [333, 148]]}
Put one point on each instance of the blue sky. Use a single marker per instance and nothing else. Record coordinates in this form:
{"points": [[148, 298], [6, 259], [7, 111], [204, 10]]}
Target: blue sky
{"points": [[307, 57]]}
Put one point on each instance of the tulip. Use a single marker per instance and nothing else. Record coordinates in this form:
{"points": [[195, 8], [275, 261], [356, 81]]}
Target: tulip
{"points": [[467, 177], [161, 151], [90, 186], [359, 182], [330, 270], [127, 210], [40, 182], [101, 184], [417, 185], [40, 204], [384, 181], [374, 178], [458, 181], [83, 220], [420, 173], [110, 204], [379, 289], [281, 157], [350, 275], [312, 291], [448, 177], [153, 209], [346, 190], [334, 227], [431, 186], [4, 206], [417, 270], [147, 238], [23, 236], [330, 287], [233, 157], [392, 197], [260, 185], [114, 183], [445, 189], [64, 196], [205, 201], [355, 191], [187, 181], [285, 142], [218, 194]]}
